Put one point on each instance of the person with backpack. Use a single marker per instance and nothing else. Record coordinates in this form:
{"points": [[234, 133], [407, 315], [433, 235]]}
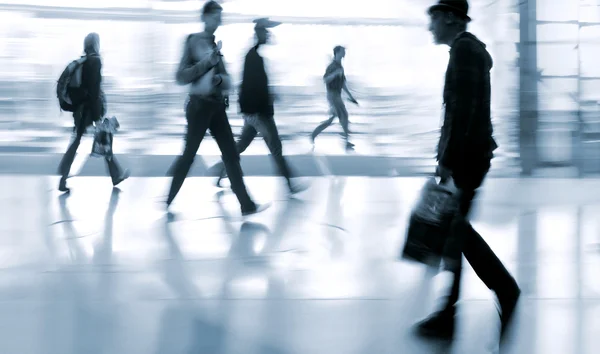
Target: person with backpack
{"points": [[79, 91], [203, 68], [256, 104]]}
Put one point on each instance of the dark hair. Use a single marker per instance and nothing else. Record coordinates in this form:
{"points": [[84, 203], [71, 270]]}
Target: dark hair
{"points": [[337, 49], [211, 7]]}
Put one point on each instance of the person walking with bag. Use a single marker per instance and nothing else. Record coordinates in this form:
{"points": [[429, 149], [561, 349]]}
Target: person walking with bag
{"points": [[464, 155], [89, 106], [202, 68]]}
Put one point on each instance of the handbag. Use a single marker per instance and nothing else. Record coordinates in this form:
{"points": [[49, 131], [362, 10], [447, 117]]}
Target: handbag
{"points": [[430, 224], [103, 137]]}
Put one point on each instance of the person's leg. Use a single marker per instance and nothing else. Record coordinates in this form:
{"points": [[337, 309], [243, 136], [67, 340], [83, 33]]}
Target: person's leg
{"points": [[342, 114], [321, 127], [326, 123], [198, 115], [64, 167], [221, 131], [480, 256], [248, 134], [441, 323], [116, 172], [246, 137], [269, 131]]}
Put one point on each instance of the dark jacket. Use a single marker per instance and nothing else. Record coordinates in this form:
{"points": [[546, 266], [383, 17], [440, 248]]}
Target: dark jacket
{"points": [[89, 96], [254, 96], [466, 144]]}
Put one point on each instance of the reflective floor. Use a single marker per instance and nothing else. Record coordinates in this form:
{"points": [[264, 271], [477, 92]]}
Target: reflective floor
{"points": [[106, 271]]}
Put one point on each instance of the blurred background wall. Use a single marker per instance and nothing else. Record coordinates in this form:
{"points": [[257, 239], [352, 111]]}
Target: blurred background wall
{"points": [[545, 98]]}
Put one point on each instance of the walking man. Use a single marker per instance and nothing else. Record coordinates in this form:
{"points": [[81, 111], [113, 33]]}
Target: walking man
{"points": [[335, 81], [256, 104], [202, 66], [465, 151]]}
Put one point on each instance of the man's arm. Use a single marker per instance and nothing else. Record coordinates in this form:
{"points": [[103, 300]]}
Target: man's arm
{"points": [[465, 64], [345, 87], [189, 71]]}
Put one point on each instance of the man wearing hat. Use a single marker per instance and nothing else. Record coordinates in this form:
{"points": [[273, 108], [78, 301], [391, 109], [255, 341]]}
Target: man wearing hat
{"points": [[464, 155], [256, 104]]}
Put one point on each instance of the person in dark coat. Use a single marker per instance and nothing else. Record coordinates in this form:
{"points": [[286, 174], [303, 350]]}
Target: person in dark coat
{"points": [[90, 107], [256, 104], [464, 155]]}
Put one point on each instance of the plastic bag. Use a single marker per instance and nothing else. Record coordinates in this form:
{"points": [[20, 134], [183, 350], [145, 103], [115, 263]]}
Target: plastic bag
{"points": [[103, 137]]}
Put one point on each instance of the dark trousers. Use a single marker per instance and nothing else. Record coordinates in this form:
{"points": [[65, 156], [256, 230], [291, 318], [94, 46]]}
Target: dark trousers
{"points": [[477, 252], [265, 125], [338, 109], [114, 169], [203, 114]]}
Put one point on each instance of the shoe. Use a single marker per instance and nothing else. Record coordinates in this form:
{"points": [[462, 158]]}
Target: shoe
{"points": [[256, 209], [123, 177], [62, 186], [297, 187], [349, 146], [218, 181], [508, 304], [440, 325]]}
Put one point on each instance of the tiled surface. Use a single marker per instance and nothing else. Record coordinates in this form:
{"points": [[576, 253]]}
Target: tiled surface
{"points": [[102, 271]]}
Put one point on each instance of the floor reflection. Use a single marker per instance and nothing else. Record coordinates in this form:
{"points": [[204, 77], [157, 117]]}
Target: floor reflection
{"points": [[313, 274]]}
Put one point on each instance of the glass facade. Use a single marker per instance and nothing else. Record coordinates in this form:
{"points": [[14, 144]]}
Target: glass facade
{"points": [[568, 46], [392, 65]]}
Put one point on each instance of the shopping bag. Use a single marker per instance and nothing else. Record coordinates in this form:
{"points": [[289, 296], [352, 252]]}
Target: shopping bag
{"points": [[430, 224], [103, 137]]}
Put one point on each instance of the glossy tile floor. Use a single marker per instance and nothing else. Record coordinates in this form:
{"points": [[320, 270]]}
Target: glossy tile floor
{"points": [[106, 271]]}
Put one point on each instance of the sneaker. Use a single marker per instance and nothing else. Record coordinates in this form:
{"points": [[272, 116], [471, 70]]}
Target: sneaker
{"points": [[256, 209], [298, 187], [440, 325], [219, 181], [123, 177], [508, 304], [62, 186]]}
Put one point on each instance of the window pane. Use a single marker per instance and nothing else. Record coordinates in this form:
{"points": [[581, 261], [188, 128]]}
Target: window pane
{"points": [[557, 102], [556, 94], [590, 90], [557, 59], [553, 10], [566, 85], [590, 13], [590, 54], [590, 33], [557, 32]]}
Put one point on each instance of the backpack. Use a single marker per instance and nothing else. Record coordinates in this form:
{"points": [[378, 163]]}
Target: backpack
{"points": [[70, 78]]}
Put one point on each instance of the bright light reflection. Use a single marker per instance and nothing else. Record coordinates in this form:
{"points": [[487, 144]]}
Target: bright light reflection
{"points": [[89, 4]]}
